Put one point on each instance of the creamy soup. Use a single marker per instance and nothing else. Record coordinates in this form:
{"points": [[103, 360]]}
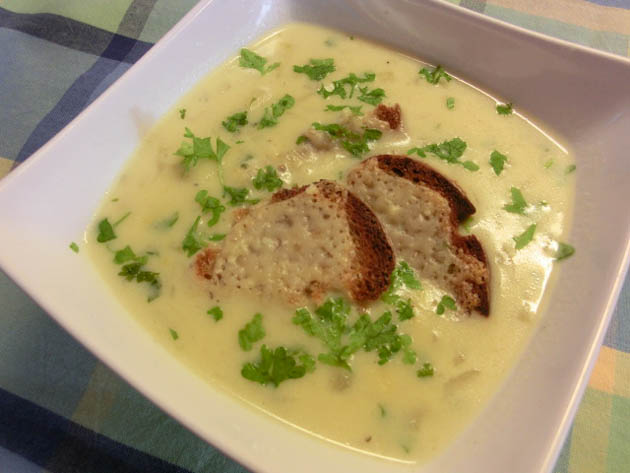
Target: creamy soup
{"points": [[155, 221]]}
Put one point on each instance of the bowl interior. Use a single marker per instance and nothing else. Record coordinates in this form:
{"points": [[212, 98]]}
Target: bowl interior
{"points": [[581, 96]]}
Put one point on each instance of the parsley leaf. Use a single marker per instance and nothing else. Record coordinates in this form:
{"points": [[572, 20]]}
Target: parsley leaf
{"points": [[524, 238], [352, 142], [449, 151], [317, 69], [268, 179], [450, 103], [497, 161], [210, 204], [426, 371], [238, 196], [276, 366], [201, 148], [518, 204], [251, 60], [505, 109], [174, 334], [193, 242], [339, 86], [105, 231], [234, 122], [434, 76], [570, 168], [182, 113], [402, 276], [168, 222], [446, 302], [270, 117], [564, 251], [74, 247], [356, 110], [251, 333], [124, 255], [373, 97], [133, 270], [301, 139], [216, 312]]}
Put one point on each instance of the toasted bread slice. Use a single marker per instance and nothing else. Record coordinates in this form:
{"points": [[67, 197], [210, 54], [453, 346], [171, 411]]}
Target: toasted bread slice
{"points": [[421, 210], [306, 242]]}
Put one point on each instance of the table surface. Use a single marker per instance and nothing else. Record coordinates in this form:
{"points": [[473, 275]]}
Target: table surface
{"points": [[61, 410]]}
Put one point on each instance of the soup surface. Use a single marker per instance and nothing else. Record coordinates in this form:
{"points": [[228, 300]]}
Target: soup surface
{"points": [[180, 192]]}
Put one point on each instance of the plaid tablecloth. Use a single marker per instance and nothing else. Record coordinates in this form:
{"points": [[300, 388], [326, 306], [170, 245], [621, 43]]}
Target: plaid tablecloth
{"points": [[61, 410]]}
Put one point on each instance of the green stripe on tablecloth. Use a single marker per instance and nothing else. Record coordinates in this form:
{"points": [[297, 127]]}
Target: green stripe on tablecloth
{"points": [[5, 166], [589, 440], [164, 15], [105, 14], [612, 42], [619, 442]]}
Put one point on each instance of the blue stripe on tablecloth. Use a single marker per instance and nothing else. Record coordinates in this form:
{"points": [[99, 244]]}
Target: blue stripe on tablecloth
{"points": [[71, 34], [612, 3], [62, 446], [80, 93]]}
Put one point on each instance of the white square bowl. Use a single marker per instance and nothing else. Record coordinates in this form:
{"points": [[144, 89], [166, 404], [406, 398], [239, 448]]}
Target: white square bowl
{"points": [[580, 94]]}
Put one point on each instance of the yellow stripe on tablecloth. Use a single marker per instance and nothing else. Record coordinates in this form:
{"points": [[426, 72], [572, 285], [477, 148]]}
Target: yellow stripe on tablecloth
{"points": [[622, 375], [5, 166], [576, 12], [591, 428], [603, 375], [97, 400]]}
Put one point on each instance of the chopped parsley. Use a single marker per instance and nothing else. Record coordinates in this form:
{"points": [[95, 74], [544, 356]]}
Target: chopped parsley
{"points": [[354, 143], [373, 97], [505, 109], [133, 269], [270, 118], [434, 76], [301, 139], [564, 251], [317, 69], [267, 178], [356, 110], [524, 238], [216, 312], [182, 113], [234, 122], [168, 222], [193, 242], [446, 302], [105, 231], [330, 325], [449, 151], [497, 161], [251, 333], [402, 276], [518, 204], [426, 371], [351, 81], [217, 237], [278, 365], [238, 196], [74, 247], [201, 148], [450, 103], [210, 204], [251, 60], [382, 410], [548, 164], [174, 334], [570, 168]]}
